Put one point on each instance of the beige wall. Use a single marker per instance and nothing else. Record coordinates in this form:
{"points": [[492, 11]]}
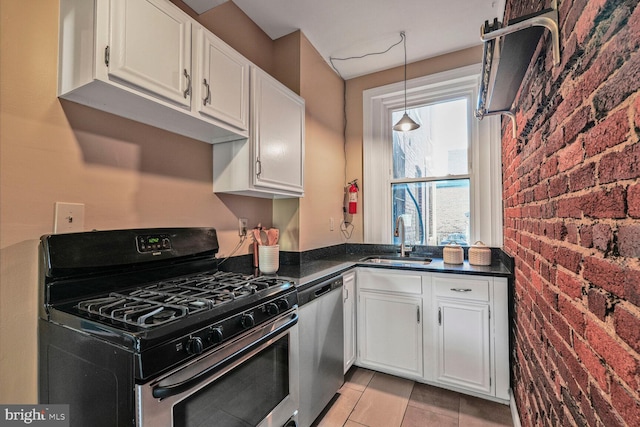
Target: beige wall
{"points": [[324, 177], [356, 86], [127, 175]]}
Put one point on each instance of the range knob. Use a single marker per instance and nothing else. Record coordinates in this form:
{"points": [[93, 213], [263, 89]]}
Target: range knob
{"points": [[194, 345], [247, 320], [215, 335], [272, 309], [283, 304]]}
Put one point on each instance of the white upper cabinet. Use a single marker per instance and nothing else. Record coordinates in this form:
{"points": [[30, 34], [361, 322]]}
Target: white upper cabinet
{"points": [[278, 133], [270, 164], [223, 87], [138, 59], [150, 49]]}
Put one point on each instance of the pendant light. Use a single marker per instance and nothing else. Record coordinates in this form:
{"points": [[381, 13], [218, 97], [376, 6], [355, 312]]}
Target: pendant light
{"points": [[405, 123]]}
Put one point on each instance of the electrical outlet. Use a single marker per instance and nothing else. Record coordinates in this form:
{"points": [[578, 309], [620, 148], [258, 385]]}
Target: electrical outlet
{"points": [[242, 227], [69, 218]]}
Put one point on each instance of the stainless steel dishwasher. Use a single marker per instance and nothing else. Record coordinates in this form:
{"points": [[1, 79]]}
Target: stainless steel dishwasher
{"points": [[321, 333]]}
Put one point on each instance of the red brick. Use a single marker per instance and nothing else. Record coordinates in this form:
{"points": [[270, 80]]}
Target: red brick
{"points": [[554, 142], [627, 405], [572, 313], [576, 123], [585, 23], [606, 275], [572, 233], [569, 259], [629, 240], [636, 116], [593, 363], [619, 86], [604, 203], [614, 354], [602, 236], [627, 324], [598, 303], [583, 177], [586, 236], [570, 207], [569, 284], [558, 185], [549, 167], [619, 165], [603, 408], [633, 199], [610, 132]]}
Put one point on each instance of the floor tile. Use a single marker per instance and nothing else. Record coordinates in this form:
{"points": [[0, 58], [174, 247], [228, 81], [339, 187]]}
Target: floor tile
{"points": [[475, 412], [419, 417], [353, 424], [383, 402], [341, 408], [358, 378], [436, 400]]}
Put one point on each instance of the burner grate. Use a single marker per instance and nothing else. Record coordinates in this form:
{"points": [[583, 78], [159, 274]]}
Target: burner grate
{"points": [[171, 299]]}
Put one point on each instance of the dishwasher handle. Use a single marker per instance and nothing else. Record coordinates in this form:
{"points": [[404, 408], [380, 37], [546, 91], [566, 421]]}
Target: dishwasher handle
{"points": [[323, 290], [319, 290]]}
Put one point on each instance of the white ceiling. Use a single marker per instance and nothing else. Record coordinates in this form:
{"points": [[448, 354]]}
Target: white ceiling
{"points": [[348, 28]]}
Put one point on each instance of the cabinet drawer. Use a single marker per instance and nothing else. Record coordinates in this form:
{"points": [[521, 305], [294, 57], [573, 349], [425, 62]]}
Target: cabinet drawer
{"points": [[462, 287], [390, 281]]}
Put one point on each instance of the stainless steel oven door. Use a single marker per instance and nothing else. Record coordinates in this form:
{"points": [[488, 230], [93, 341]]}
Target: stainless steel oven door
{"points": [[251, 381]]}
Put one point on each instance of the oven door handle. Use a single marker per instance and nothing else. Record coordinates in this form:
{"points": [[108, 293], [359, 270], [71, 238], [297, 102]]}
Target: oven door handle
{"points": [[163, 392]]}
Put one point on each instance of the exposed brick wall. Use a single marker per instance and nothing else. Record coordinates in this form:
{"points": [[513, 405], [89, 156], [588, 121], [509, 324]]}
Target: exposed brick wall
{"points": [[572, 209]]}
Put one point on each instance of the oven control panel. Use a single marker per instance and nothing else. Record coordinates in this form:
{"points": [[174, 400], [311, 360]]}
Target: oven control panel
{"points": [[153, 243]]}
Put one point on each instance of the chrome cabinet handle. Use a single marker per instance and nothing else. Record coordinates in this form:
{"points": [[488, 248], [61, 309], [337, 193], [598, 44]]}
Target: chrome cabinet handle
{"points": [[439, 316], [418, 313], [461, 290], [258, 167], [187, 91], [208, 97]]}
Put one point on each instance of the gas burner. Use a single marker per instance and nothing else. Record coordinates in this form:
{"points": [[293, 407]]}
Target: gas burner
{"points": [[135, 311], [171, 299]]}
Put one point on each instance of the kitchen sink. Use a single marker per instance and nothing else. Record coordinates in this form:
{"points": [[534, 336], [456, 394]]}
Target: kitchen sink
{"points": [[396, 260]]}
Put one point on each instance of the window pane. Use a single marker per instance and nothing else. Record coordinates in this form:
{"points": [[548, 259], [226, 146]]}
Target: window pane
{"points": [[439, 147], [434, 213]]}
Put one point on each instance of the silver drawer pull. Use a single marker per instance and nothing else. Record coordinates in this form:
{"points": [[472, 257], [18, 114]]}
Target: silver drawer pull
{"points": [[461, 290]]}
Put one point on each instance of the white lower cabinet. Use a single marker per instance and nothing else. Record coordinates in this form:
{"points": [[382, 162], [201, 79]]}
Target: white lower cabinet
{"points": [[349, 316], [390, 322], [449, 330], [463, 345]]}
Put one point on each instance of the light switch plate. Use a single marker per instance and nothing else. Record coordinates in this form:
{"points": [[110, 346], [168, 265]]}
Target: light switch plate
{"points": [[68, 218]]}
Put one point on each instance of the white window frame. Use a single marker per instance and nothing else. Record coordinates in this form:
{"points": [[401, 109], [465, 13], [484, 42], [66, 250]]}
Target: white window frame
{"points": [[485, 162]]}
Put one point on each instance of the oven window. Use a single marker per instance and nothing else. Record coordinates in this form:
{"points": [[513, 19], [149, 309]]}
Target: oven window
{"points": [[244, 396]]}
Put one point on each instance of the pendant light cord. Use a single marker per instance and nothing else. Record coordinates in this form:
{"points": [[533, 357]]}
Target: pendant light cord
{"points": [[404, 41]]}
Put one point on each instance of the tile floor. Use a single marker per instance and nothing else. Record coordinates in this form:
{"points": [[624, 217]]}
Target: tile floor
{"points": [[373, 399]]}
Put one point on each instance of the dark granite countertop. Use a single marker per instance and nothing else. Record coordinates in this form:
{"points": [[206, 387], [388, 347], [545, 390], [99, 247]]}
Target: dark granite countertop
{"points": [[310, 267]]}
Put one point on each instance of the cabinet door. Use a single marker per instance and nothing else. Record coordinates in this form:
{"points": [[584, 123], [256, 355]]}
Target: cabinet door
{"points": [[224, 83], [390, 333], [463, 345], [348, 291], [150, 49], [278, 133]]}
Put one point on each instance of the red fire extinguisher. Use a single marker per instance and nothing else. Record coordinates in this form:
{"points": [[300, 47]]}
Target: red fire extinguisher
{"points": [[353, 197]]}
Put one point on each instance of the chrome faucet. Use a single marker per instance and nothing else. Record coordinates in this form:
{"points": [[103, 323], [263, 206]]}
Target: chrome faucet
{"points": [[396, 232]]}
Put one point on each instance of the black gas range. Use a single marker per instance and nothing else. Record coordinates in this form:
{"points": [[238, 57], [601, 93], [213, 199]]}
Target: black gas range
{"points": [[135, 305]]}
